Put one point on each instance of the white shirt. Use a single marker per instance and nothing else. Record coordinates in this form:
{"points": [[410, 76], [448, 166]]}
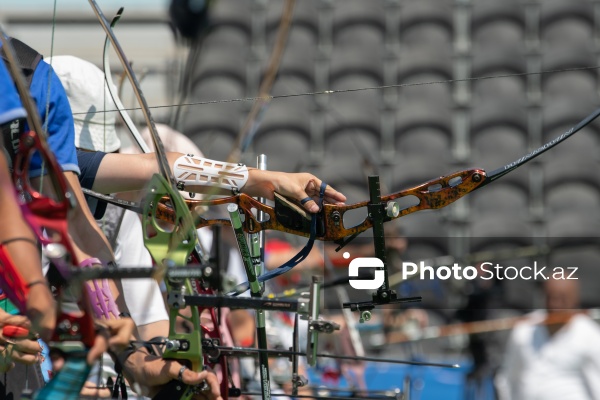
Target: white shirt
{"points": [[564, 366], [142, 296]]}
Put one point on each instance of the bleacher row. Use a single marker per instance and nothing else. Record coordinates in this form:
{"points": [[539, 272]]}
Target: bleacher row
{"points": [[414, 132]]}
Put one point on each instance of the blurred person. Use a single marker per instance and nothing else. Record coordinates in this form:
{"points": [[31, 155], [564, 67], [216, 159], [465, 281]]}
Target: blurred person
{"points": [[555, 353]]}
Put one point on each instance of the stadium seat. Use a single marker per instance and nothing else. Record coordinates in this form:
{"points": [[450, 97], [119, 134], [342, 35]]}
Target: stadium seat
{"points": [[571, 183], [352, 60], [306, 14], [426, 23], [286, 150], [223, 36], [567, 23], [423, 129], [358, 12], [234, 13]]}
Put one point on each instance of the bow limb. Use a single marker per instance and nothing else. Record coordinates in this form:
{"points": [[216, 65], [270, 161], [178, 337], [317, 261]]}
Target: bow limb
{"points": [[115, 96], [166, 247]]}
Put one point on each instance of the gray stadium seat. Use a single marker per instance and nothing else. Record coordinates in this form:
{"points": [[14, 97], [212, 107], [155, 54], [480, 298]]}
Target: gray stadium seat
{"points": [[500, 227], [492, 61], [561, 114], [489, 12], [424, 129], [306, 14], [424, 141], [573, 227], [359, 36], [358, 12], [567, 31], [222, 62], [215, 144], [510, 112], [422, 66], [504, 140], [571, 183], [553, 13], [355, 110], [286, 150], [424, 23], [580, 84], [217, 88], [234, 13], [565, 56], [351, 60], [224, 36]]}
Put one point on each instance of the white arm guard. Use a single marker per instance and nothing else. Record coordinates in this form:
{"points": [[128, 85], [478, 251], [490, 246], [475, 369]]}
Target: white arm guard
{"points": [[192, 172]]}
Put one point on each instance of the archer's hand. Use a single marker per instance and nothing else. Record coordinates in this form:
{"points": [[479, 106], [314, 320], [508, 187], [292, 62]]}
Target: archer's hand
{"points": [[41, 310], [296, 186], [153, 372], [113, 334], [25, 351]]}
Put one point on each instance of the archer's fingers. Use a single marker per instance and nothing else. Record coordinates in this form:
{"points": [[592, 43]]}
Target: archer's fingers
{"points": [[24, 358], [27, 346], [99, 347], [121, 331], [330, 193], [196, 378]]}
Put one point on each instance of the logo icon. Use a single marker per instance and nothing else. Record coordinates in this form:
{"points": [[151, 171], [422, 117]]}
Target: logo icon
{"points": [[366, 262]]}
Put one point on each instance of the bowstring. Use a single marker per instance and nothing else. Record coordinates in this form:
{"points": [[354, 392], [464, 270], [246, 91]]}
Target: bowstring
{"points": [[379, 87], [49, 80]]}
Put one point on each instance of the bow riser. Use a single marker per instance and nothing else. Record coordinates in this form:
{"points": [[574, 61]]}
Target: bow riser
{"points": [[290, 218]]}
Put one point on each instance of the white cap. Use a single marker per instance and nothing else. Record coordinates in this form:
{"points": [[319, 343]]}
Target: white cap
{"points": [[84, 84]]}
